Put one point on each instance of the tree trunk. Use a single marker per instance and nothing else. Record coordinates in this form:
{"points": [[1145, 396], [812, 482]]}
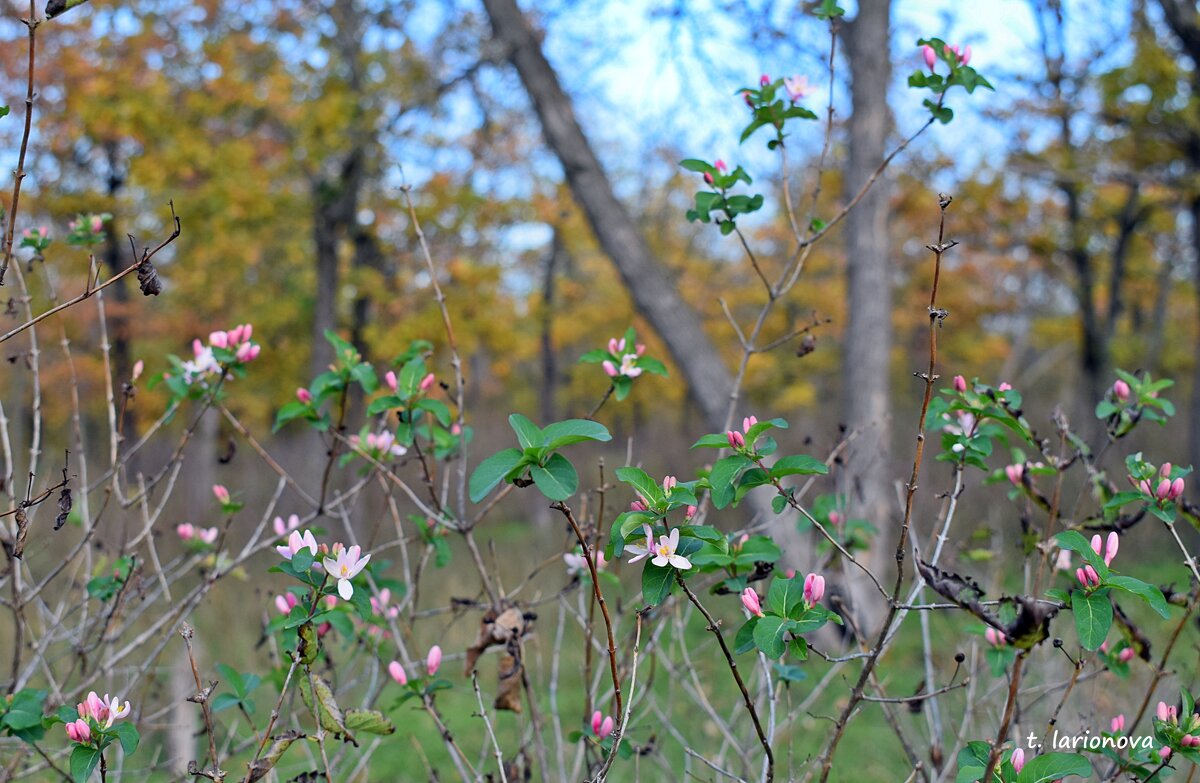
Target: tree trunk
{"points": [[655, 297], [554, 260], [1194, 414], [119, 330], [867, 343]]}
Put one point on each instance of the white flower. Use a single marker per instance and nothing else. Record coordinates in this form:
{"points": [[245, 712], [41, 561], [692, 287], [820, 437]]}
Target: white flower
{"points": [[664, 552], [641, 552], [345, 567], [629, 366], [577, 563]]}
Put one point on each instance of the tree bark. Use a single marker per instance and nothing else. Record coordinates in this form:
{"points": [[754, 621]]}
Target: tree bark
{"points": [[554, 260], [709, 381], [867, 343]]}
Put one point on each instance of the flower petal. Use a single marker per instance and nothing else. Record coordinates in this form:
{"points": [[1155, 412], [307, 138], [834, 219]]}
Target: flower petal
{"points": [[345, 589]]}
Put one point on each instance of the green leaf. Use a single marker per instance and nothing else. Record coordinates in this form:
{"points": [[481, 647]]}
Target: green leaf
{"points": [[1052, 766], [83, 762], [492, 471], [529, 435], [744, 641], [784, 595], [1072, 540], [798, 464], [25, 711], [365, 375], [565, 433], [224, 701], [698, 166], [596, 356], [641, 483], [722, 476], [714, 441], [768, 635], [1148, 593], [370, 721], [632, 521], [656, 583], [557, 479], [127, 733], [327, 709], [1093, 617]]}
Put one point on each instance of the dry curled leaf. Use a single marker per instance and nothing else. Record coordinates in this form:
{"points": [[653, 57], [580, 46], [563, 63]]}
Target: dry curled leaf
{"points": [[260, 768], [22, 531], [148, 279], [1031, 623], [327, 709]]}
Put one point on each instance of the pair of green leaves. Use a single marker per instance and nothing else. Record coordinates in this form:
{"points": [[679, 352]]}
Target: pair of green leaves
{"points": [[784, 613], [240, 688], [538, 455]]}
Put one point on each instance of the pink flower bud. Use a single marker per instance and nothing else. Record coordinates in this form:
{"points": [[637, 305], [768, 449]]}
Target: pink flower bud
{"points": [[960, 383], [1111, 546], [751, 602], [1120, 390], [1164, 489], [221, 493], [747, 98], [390, 379], [735, 439], [1018, 759], [79, 731], [597, 722], [1093, 577], [427, 382], [1014, 473], [690, 512], [835, 518], [397, 672], [814, 588], [1118, 724], [708, 178], [764, 80], [1096, 544], [96, 224], [1126, 655], [749, 422], [138, 367], [929, 55], [433, 660], [1161, 711], [219, 339], [640, 348], [1165, 470], [1144, 486], [609, 368], [186, 531], [1176, 489], [995, 638], [637, 505], [606, 727], [1004, 387], [966, 56], [43, 231], [720, 166], [1164, 753], [669, 483], [284, 603], [304, 395]]}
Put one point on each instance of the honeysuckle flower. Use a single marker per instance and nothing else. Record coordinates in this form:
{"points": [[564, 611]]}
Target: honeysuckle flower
{"points": [[1018, 759], [749, 422], [798, 87], [764, 80], [397, 673], [185, 531], [344, 567], [1110, 548], [597, 721], [609, 368], [1063, 562], [221, 493], [637, 505], [995, 638], [690, 512], [720, 166], [965, 57], [629, 366], [138, 368], [304, 395], [814, 589], [381, 604], [96, 224], [427, 382], [751, 602], [282, 528], [960, 383], [1126, 655], [669, 483], [79, 731], [1014, 473], [735, 439], [606, 727], [664, 552], [389, 378], [1177, 487], [1164, 753], [641, 552], [297, 541], [1118, 724], [965, 426], [93, 707], [433, 660], [1162, 711], [248, 352], [576, 563], [207, 534], [286, 602], [218, 339], [616, 346], [1004, 386], [1121, 390], [929, 55], [1087, 576], [1164, 489], [1190, 741]]}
